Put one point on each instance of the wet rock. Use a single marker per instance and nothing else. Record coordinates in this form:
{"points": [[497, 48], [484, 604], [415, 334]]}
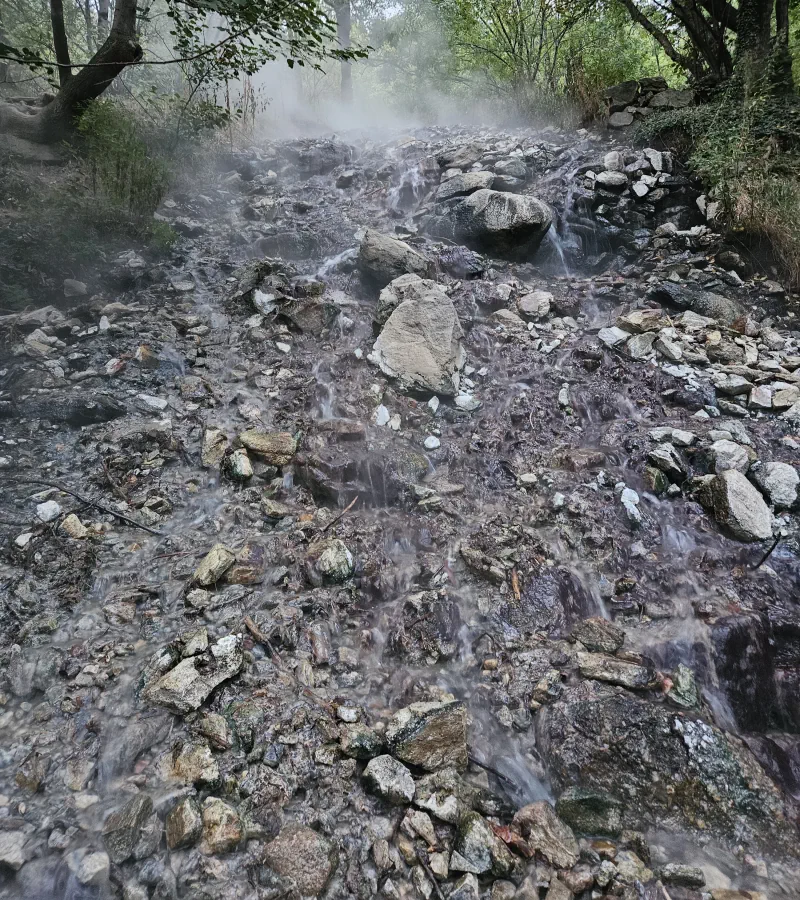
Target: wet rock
{"points": [[615, 671], [666, 458], [546, 834], [381, 259], [83, 410], [683, 691], [466, 888], [32, 772], [237, 466], [122, 829], [93, 869], [48, 511], [640, 345], [275, 448], [12, 852], [430, 735], [222, 827], [330, 561], [682, 875], [496, 221], [558, 890], [612, 181], [613, 336], [590, 812], [193, 763], [389, 779], [361, 742], [535, 305], [304, 856], [606, 739], [214, 565], [739, 508], [462, 185], [185, 687], [420, 344], [598, 634], [446, 795], [705, 303], [460, 157], [478, 850], [779, 482], [184, 824]]}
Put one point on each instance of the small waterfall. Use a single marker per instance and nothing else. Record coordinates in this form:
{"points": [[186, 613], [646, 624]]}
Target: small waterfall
{"points": [[556, 242], [410, 189]]}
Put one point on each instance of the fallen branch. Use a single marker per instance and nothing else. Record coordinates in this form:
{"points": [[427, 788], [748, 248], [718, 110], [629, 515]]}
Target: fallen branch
{"points": [[87, 500], [767, 555], [422, 856], [341, 515], [263, 639], [113, 484], [491, 769]]}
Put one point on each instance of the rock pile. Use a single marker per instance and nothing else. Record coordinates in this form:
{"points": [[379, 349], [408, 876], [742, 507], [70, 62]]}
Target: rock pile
{"points": [[630, 101]]}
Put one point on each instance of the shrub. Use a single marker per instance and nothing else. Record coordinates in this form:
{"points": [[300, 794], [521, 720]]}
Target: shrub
{"points": [[122, 167]]}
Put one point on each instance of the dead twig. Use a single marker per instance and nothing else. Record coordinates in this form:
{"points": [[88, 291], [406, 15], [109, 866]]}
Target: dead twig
{"points": [[491, 769], [263, 639], [422, 856], [106, 509], [117, 489], [767, 555], [341, 515]]}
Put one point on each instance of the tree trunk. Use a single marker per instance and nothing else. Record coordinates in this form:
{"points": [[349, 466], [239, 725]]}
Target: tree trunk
{"points": [[3, 63], [54, 121], [781, 76], [89, 26], [343, 25], [60, 44], [102, 20], [752, 39]]}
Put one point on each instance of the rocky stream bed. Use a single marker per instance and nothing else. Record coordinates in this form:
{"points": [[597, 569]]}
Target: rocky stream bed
{"points": [[424, 526]]}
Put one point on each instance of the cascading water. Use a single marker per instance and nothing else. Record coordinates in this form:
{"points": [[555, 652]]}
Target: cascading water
{"points": [[364, 568]]}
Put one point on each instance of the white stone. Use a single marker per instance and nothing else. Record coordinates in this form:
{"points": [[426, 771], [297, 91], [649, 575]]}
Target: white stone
{"points": [[381, 416], [779, 482], [48, 511], [612, 336]]}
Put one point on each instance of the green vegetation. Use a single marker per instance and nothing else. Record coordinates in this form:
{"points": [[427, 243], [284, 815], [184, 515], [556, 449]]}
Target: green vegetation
{"points": [[747, 151]]}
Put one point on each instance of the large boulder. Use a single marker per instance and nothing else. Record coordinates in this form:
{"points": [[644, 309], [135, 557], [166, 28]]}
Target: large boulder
{"points": [[494, 220], [779, 481], [382, 258], [739, 508], [462, 185], [420, 344], [618, 96], [460, 157], [663, 767], [705, 303], [406, 287], [672, 99]]}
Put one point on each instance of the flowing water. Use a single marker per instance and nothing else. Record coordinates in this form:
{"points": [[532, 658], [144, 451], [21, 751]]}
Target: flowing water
{"points": [[416, 623]]}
